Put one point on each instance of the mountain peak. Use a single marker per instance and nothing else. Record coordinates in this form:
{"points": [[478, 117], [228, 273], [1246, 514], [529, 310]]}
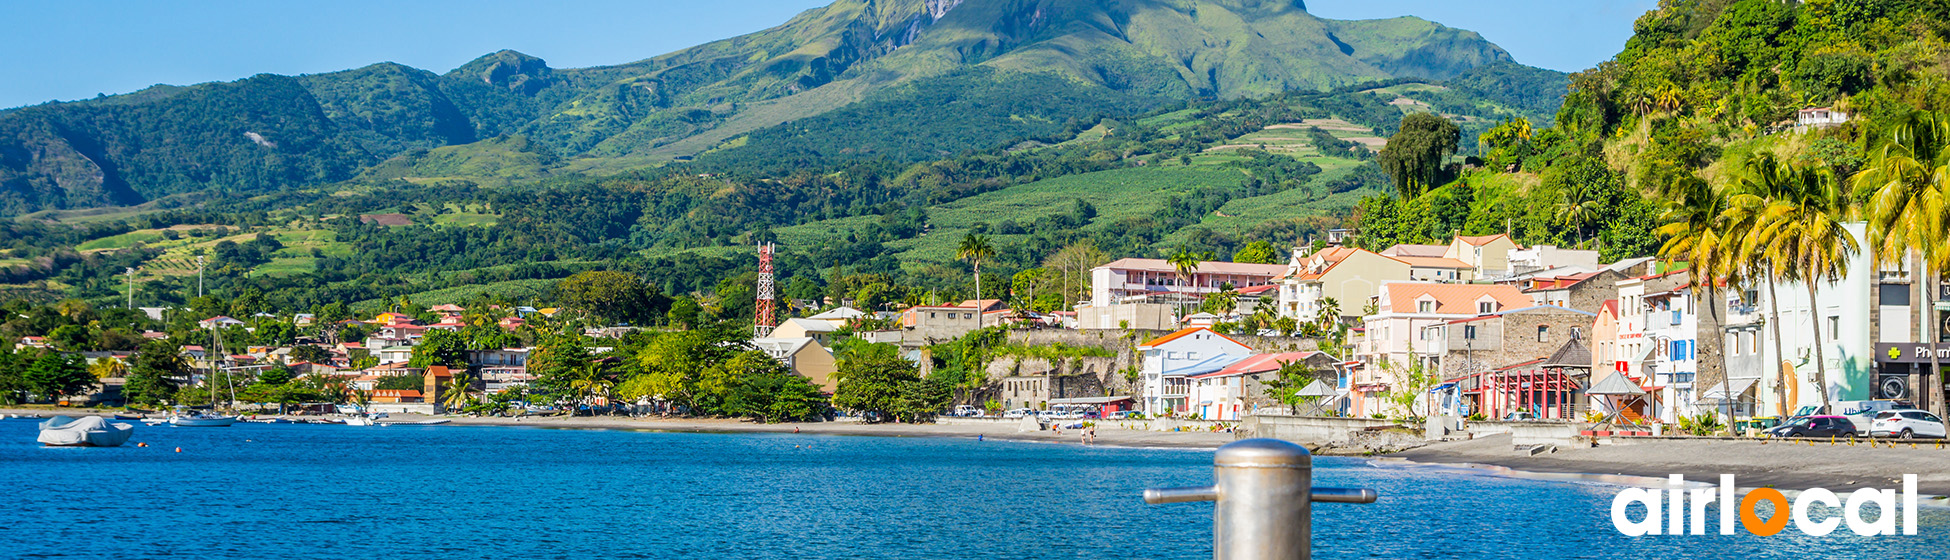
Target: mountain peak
{"points": [[508, 69]]}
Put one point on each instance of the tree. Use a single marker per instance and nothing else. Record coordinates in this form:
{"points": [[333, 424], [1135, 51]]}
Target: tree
{"points": [[459, 391], [71, 338], [1905, 186], [1259, 252], [1701, 230], [556, 363], [611, 296], [975, 249], [688, 368], [884, 386], [766, 391], [157, 372], [1185, 262], [1803, 239], [1286, 384], [310, 353], [439, 347], [1414, 156], [56, 375], [1073, 263]]}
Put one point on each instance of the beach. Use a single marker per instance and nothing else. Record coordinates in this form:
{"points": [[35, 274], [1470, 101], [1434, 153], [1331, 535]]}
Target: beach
{"points": [[1754, 463]]}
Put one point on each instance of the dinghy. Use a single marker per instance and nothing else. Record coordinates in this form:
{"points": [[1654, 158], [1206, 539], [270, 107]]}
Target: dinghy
{"points": [[87, 431]]}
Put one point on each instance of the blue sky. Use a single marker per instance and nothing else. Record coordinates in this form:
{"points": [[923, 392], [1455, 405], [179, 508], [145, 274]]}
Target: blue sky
{"points": [[76, 48]]}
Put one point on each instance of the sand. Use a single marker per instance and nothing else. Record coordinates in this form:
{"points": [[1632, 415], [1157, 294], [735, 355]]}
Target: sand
{"points": [[1754, 463]]}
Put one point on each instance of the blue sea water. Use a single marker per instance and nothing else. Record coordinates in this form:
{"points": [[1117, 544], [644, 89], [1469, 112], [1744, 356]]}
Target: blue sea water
{"points": [[299, 491]]}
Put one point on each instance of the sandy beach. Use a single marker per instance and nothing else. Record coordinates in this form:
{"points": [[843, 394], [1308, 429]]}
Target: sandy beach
{"points": [[1754, 463]]}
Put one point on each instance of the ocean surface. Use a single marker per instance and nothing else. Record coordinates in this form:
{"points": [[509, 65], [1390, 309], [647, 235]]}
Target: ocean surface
{"points": [[299, 491]]}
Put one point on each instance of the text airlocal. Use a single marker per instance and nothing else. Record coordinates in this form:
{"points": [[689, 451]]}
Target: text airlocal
{"points": [[1682, 511]]}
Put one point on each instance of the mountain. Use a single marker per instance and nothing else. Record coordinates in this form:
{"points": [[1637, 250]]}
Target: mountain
{"points": [[929, 77]]}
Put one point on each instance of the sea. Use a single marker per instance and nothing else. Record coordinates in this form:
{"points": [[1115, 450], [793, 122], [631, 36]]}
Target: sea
{"points": [[265, 491]]}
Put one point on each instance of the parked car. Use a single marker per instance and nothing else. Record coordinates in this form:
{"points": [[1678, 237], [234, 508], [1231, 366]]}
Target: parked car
{"points": [[1018, 413], [967, 410], [1818, 426], [1906, 424]]}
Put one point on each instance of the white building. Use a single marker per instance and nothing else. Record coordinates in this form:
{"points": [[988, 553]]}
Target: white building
{"points": [[1170, 360]]}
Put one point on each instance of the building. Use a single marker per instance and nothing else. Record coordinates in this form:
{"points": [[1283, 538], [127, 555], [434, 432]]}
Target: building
{"points": [[1347, 275], [1662, 335], [815, 329], [1169, 361], [923, 325], [1468, 346], [805, 356], [1546, 257], [1820, 117], [839, 316], [1387, 343], [1240, 389], [1143, 316], [1583, 290], [218, 321], [1156, 279], [1488, 255]]}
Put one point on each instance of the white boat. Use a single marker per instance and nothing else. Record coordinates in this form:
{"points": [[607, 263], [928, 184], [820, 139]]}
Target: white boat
{"points": [[433, 422], [197, 419], [87, 431]]}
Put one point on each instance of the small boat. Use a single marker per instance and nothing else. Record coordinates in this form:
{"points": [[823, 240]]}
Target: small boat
{"points": [[197, 419], [87, 431], [433, 422], [127, 416]]}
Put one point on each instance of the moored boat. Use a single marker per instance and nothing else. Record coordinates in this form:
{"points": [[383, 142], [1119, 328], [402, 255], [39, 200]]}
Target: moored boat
{"points": [[197, 419], [87, 431]]}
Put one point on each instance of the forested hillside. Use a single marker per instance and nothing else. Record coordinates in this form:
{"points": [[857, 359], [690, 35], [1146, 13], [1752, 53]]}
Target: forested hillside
{"points": [[905, 80]]}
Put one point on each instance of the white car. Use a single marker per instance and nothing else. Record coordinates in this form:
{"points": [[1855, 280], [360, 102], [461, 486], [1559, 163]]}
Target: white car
{"points": [[968, 411], [1906, 423], [1016, 414]]}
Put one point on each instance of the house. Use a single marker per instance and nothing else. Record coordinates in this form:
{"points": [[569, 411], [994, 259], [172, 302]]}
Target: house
{"points": [[449, 324], [1547, 257], [1169, 361], [805, 356], [500, 369], [1438, 269], [1574, 286], [394, 368], [511, 323], [33, 342], [1662, 335], [155, 335], [303, 319], [396, 396], [447, 310], [1157, 280], [1240, 389], [1393, 339], [838, 316], [218, 321], [922, 325], [1488, 255], [391, 318], [1349, 276], [1142, 316], [1469, 346], [821, 331], [1820, 117], [1547, 388]]}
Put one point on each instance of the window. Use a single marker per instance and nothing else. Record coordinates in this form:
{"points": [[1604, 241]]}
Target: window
{"points": [[1425, 307], [1834, 327], [1577, 333], [1469, 332], [1894, 294], [1543, 333], [1485, 307], [1191, 355], [1171, 355]]}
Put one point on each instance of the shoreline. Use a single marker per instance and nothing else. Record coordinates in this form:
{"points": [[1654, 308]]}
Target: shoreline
{"points": [[1108, 435], [1754, 464]]}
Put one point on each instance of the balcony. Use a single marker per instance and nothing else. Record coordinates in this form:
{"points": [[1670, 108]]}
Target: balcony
{"points": [[1893, 276]]}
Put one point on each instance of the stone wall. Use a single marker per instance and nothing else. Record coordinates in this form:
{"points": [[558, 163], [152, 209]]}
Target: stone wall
{"points": [[1306, 429]]}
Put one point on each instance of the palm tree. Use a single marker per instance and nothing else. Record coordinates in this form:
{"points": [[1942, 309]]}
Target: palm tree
{"points": [[1904, 188], [1185, 263], [1578, 209], [1803, 240], [1767, 180], [459, 391], [589, 381], [1701, 231], [975, 249], [1329, 313]]}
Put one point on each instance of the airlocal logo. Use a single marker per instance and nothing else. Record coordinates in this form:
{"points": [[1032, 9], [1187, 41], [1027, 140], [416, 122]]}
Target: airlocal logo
{"points": [[1674, 506]]}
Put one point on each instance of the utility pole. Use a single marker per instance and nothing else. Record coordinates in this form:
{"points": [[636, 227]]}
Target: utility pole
{"points": [[199, 276], [130, 273]]}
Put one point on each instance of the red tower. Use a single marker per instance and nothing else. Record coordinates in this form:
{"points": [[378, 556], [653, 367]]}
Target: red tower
{"points": [[766, 316]]}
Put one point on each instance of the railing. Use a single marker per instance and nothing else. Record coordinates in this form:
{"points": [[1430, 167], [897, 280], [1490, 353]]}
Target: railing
{"points": [[1263, 493]]}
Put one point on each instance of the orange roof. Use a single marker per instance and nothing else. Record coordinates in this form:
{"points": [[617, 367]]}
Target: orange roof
{"points": [[1433, 262], [395, 393], [1182, 333], [1560, 282], [1259, 363], [1453, 299], [1408, 250], [1480, 240], [1324, 260]]}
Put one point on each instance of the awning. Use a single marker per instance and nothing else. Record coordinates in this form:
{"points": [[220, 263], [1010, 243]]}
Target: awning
{"points": [[1440, 388], [1615, 384], [1719, 392]]}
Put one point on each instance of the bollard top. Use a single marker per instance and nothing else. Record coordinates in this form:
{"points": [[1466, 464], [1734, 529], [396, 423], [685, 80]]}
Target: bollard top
{"points": [[1263, 453]]}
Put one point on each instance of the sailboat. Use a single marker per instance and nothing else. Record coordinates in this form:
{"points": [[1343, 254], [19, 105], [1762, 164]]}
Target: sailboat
{"points": [[189, 418]]}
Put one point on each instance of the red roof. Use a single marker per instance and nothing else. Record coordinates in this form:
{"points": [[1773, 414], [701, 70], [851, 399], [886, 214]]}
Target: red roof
{"points": [[395, 393], [1258, 363], [1252, 290], [1479, 239]]}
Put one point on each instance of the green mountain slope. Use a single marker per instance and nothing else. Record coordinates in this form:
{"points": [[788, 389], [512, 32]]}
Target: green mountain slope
{"points": [[932, 76]]}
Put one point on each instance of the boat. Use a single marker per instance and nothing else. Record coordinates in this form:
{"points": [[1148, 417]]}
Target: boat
{"points": [[197, 419], [433, 422], [87, 431], [127, 416]]}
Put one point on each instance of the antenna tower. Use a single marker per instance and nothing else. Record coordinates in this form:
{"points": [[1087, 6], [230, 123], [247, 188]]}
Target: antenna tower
{"points": [[766, 317]]}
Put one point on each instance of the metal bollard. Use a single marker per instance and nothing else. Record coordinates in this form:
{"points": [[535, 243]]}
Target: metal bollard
{"points": [[1264, 493]]}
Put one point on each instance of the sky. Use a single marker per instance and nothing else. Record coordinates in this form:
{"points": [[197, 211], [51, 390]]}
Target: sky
{"points": [[75, 49]]}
